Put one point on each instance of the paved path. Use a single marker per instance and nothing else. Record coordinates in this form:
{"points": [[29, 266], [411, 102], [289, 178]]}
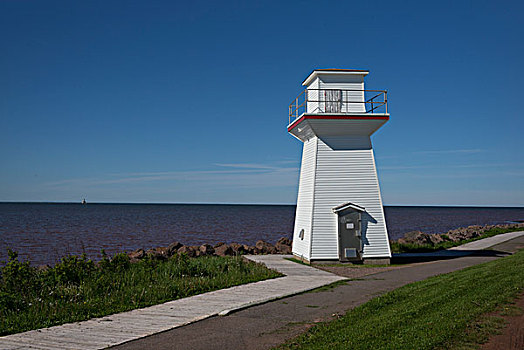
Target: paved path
{"points": [[270, 324], [123, 327]]}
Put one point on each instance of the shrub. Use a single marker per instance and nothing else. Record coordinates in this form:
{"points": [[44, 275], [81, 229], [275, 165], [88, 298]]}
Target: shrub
{"points": [[18, 277], [72, 269], [10, 302]]}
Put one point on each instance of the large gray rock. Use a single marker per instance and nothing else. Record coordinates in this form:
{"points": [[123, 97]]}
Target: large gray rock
{"points": [[159, 253], [249, 249], [464, 233], [263, 247], [283, 245], [173, 248], [196, 248], [416, 237], [218, 244], [206, 249], [187, 250], [136, 255], [224, 250], [238, 249], [436, 238]]}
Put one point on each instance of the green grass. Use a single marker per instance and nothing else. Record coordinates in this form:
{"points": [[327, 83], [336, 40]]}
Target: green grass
{"points": [[420, 248], [441, 312], [78, 289], [350, 265], [298, 261], [359, 266]]}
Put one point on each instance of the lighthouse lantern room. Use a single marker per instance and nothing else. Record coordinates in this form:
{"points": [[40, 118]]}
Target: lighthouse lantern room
{"points": [[339, 213]]}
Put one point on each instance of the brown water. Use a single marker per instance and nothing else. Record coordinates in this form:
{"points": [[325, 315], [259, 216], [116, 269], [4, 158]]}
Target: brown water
{"points": [[43, 232]]}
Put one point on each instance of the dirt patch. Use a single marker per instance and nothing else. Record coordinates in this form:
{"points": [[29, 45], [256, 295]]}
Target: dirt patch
{"points": [[351, 271], [512, 336]]}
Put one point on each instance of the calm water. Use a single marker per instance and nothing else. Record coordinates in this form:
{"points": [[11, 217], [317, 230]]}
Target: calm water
{"points": [[43, 232]]}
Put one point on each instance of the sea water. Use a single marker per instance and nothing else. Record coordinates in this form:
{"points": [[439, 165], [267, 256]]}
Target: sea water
{"points": [[44, 232]]}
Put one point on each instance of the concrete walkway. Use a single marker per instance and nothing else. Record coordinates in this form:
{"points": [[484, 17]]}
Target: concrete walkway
{"points": [[123, 327]]}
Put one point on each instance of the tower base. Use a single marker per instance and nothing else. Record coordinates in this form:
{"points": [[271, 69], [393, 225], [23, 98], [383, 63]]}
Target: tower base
{"points": [[338, 175]]}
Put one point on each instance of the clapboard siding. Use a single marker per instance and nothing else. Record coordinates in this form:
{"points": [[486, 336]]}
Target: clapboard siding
{"points": [[347, 175], [347, 83], [313, 94], [303, 218]]}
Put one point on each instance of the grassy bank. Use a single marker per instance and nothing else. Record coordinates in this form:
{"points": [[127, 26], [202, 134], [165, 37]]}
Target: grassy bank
{"points": [[419, 248], [441, 312], [77, 289]]}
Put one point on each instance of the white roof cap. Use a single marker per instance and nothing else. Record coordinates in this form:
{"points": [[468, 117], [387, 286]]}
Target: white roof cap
{"points": [[347, 206], [333, 71]]}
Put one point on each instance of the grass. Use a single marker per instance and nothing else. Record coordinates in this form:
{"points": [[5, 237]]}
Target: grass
{"points": [[298, 261], [77, 289], [444, 311], [420, 248], [350, 265], [359, 266]]}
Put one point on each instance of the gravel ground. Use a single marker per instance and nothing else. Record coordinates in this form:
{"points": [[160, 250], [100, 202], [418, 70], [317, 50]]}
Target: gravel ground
{"points": [[352, 271], [512, 336]]}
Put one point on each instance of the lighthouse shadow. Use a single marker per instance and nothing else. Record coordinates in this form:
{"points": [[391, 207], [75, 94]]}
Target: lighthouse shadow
{"points": [[444, 254], [365, 220]]}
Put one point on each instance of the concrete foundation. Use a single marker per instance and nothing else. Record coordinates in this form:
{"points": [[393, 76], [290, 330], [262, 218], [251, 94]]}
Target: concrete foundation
{"points": [[377, 261]]}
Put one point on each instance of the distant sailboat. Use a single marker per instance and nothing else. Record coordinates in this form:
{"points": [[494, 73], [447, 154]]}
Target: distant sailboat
{"points": [[84, 201]]}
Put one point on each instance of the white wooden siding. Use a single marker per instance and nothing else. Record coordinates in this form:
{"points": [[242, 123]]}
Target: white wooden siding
{"points": [[355, 82], [313, 95], [303, 217], [347, 174]]}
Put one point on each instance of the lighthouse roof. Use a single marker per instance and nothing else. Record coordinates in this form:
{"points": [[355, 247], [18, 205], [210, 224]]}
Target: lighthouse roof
{"points": [[347, 205], [333, 71]]}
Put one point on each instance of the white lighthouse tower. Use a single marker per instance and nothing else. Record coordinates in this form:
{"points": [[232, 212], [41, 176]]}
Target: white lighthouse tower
{"points": [[339, 208]]}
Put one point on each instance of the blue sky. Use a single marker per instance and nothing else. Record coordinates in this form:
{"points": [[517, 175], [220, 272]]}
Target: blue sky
{"points": [[186, 102]]}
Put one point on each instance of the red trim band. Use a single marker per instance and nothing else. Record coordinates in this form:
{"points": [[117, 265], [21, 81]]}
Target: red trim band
{"points": [[299, 120]]}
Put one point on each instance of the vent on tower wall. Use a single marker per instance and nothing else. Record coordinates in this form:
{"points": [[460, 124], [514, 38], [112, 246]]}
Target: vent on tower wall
{"points": [[350, 253]]}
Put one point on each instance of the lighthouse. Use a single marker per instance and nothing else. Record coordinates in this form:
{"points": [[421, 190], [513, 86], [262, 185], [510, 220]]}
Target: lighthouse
{"points": [[339, 213]]}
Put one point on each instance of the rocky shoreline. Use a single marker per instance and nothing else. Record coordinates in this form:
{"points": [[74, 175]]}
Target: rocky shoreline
{"points": [[283, 245], [456, 235]]}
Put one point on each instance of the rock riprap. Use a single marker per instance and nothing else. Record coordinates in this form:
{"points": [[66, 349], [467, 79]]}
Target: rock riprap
{"points": [[456, 235], [283, 246]]}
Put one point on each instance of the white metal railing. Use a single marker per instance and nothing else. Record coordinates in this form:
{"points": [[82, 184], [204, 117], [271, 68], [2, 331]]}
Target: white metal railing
{"points": [[327, 101]]}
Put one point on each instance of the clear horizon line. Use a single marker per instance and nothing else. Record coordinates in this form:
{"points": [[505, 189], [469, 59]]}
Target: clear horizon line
{"points": [[275, 204]]}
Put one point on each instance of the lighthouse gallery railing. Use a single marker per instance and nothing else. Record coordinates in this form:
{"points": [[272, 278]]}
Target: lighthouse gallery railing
{"points": [[322, 101]]}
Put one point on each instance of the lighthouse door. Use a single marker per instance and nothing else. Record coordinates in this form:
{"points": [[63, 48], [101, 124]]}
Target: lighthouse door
{"points": [[349, 235]]}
